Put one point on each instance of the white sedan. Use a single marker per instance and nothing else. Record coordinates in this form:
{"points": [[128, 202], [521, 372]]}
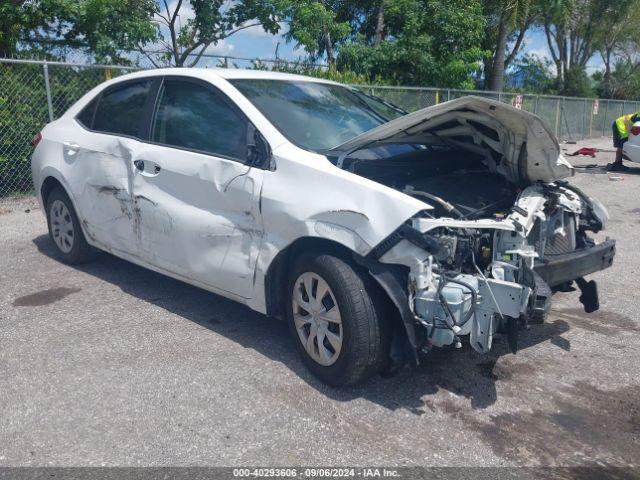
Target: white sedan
{"points": [[376, 234], [631, 148]]}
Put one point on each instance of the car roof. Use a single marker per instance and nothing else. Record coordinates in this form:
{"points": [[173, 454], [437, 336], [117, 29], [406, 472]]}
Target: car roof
{"points": [[224, 73]]}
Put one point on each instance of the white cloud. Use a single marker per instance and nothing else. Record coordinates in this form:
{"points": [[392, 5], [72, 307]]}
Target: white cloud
{"points": [[595, 63], [542, 53], [299, 51], [254, 32], [258, 32], [221, 48], [185, 13]]}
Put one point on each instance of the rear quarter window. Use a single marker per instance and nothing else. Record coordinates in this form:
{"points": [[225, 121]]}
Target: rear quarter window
{"points": [[85, 117], [120, 109]]}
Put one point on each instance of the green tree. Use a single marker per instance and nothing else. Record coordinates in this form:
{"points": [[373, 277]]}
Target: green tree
{"points": [[108, 26], [623, 81], [315, 25], [534, 74], [21, 18], [573, 29], [617, 43], [418, 42], [102, 27], [506, 24], [208, 22]]}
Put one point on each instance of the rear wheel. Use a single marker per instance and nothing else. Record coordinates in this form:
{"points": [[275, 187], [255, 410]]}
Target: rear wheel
{"points": [[65, 230], [334, 321]]}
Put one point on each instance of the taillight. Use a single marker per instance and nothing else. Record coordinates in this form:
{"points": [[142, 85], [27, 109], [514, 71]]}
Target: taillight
{"points": [[635, 130], [36, 139]]}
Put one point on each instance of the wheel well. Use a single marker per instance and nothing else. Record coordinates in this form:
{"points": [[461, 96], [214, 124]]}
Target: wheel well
{"points": [[47, 186], [276, 278]]}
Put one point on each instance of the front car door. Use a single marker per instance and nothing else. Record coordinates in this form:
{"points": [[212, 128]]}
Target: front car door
{"points": [[101, 177], [197, 202]]}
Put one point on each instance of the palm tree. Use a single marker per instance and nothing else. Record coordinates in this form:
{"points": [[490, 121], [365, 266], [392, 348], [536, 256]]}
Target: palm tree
{"points": [[505, 19]]}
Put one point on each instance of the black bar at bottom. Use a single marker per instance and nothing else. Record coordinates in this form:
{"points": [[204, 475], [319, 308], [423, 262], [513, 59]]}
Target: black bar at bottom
{"points": [[558, 269]]}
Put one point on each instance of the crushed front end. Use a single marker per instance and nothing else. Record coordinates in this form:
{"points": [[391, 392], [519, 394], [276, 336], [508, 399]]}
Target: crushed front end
{"points": [[478, 277]]}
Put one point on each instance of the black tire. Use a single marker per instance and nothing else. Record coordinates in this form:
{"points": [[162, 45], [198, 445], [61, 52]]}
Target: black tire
{"points": [[80, 251], [365, 336]]}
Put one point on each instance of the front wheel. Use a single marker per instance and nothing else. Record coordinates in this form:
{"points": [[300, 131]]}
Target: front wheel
{"points": [[336, 325]]}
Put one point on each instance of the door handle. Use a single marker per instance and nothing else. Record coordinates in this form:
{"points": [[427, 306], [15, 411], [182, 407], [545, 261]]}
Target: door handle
{"points": [[71, 146], [149, 169]]}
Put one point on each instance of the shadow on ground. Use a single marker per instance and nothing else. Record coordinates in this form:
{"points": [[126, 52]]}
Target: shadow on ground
{"points": [[462, 372]]}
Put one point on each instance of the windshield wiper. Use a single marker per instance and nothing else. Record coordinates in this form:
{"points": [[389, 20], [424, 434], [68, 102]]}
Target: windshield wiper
{"points": [[383, 101]]}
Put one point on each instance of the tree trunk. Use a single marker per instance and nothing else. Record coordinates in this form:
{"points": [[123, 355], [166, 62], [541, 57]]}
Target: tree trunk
{"points": [[488, 71], [6, 51], [7, 39], [496, 81], [328, 46], [607, 74], [379, 25]]}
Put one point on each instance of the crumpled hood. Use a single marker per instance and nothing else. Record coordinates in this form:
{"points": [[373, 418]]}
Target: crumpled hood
{"points": [[526, 149]]}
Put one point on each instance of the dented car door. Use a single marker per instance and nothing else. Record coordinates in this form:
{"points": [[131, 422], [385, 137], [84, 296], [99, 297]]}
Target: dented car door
{"points": [[197, 202], [101, 180]]}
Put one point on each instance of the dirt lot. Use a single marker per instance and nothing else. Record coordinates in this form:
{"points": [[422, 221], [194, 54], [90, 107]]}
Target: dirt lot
{"points": [[111, 364]]}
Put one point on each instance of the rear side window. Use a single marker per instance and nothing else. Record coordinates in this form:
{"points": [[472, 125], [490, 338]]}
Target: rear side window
{"points": [[190, 115], [120, 110], [85, 117]]}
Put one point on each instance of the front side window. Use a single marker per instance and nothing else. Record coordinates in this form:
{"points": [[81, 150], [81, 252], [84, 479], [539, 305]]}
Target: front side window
{"points": [[193, 116], [315, 116], [120, 110]]}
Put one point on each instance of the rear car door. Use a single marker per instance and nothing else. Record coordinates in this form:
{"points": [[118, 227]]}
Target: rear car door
{"points": [[196, 199], [101, 177]]}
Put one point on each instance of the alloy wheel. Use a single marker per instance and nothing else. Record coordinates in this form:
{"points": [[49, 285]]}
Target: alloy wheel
{"points": [[61, 226], [317, 318]]}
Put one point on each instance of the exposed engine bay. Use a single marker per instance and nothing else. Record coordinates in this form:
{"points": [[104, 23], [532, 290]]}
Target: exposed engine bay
{"points": [[476, 258]]}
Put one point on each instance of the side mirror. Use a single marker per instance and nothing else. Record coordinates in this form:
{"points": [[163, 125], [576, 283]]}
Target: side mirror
{"points": [[258, 150]]}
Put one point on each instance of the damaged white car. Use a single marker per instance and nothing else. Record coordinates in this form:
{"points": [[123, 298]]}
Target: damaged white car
{"points": [[377, 234]]}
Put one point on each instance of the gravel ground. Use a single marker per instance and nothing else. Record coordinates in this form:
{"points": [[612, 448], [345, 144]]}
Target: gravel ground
{"points": [[111, 364]]}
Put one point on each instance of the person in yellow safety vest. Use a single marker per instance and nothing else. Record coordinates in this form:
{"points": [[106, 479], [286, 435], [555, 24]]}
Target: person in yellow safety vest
{"points": [[621, 128]]}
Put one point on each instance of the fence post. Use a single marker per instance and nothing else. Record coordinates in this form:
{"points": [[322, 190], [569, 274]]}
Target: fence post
{"points": [[562, 114], [604, 118], [591, 121], [584, 122], [535, 105], [557, 117], [47, 87]]}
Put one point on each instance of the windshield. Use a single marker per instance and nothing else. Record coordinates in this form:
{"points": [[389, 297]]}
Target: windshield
{"points": [[316, 116]]}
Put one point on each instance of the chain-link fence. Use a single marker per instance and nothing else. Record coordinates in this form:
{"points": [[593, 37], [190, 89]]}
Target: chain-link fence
{"points": [[34, 93], [568, 117], [31, 95]]}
